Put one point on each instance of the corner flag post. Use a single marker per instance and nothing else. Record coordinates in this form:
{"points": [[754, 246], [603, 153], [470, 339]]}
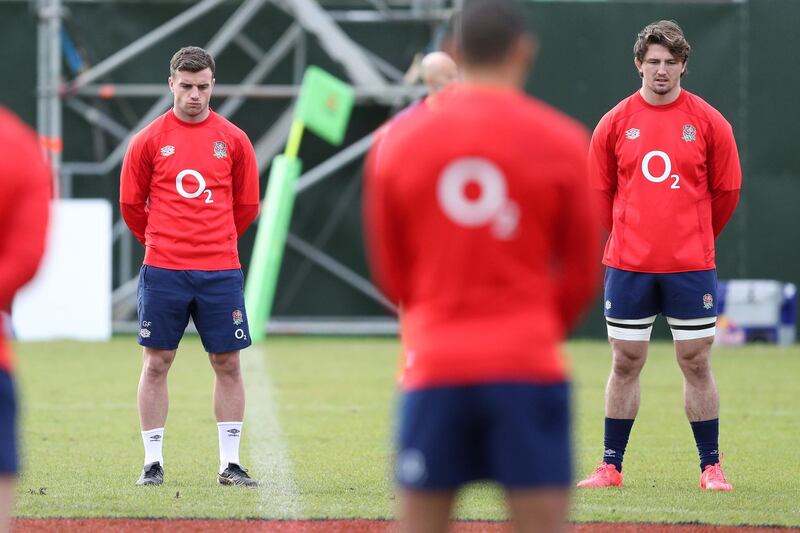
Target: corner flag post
{"points": [[323, 107]]}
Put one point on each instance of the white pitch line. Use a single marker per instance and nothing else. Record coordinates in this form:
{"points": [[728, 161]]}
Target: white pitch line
{"points": [[269, 453]]}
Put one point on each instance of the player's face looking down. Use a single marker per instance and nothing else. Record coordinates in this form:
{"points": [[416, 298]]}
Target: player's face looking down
{"points": [[192, 91], [660, 71]]}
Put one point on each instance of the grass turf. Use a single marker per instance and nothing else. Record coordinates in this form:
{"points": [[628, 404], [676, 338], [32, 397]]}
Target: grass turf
{"points": [[335, 400]]}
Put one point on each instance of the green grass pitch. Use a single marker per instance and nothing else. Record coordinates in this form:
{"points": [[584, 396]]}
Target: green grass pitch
{"points": [[318, 434]]}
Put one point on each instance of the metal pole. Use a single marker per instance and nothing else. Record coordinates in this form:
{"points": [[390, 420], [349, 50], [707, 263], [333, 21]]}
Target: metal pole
{"points": [[339, 46], [94, 116], [233, 26], [144, 42], [217, 43], [300, 59], [42, 81], [48, 105], [387, 93], [248, 46], [54, 96], [271, 143], [323, 170], [339, 270], [263, 68]]}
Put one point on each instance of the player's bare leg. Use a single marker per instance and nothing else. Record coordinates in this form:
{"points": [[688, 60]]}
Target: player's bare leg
{"points": [[538, 511], [229, 412], [6, 497], [425, 511], [701, 400], [700, 395], [622, 389], [228, 386], [153, 396], [622, 405], [153, 400]]}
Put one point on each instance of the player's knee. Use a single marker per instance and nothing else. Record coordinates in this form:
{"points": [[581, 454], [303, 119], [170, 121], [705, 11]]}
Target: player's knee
{"points": [[695, 364], [226, 364], [157, 363], [627, 363]]}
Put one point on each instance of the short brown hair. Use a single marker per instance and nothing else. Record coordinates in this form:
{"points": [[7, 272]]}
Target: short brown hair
{"points": [[668, 34], [488, 30], [191, 59]]}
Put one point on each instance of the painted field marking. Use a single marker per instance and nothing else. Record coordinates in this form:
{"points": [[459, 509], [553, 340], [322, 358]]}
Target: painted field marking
{"points": [[269, 452]]}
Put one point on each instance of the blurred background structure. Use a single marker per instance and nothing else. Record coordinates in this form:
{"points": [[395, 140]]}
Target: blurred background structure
{"points": [[90, 73]]}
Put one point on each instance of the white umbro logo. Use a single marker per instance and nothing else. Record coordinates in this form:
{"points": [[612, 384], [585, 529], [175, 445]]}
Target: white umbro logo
{"points": [[632, 134], [167, 151]]}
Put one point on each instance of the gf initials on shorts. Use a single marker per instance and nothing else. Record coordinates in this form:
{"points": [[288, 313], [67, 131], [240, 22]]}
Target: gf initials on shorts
{"points": [[667, 168]]}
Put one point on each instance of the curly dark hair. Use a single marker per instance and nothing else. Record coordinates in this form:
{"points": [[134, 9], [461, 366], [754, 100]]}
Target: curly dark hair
{"points": [[668, 34]]}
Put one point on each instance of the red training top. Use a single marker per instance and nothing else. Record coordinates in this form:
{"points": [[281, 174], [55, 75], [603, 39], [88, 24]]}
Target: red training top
{"points": [[480, 226], [188, 191], [24, 210], [667, 178]]}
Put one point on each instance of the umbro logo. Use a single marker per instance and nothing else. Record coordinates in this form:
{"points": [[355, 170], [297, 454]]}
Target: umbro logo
{"points": [[632, 134], [609, 453], [167, 151], [233, 432], [155, 438]]}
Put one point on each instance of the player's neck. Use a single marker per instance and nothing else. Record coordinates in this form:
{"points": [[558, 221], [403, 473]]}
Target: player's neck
{"points": [[505, 76], [191, 119], [492, 78], [653, 98]]}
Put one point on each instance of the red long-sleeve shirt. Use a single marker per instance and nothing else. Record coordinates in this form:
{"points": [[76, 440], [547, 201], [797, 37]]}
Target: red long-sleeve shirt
{"points": [[480, 226], [188, 191], [24, 211], [667, 180]]}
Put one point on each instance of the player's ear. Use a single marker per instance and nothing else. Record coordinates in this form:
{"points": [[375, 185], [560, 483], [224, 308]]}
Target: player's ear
{"points": [[638, 65], [170, 82], [457, 54], [530, 48], [522, 56]]}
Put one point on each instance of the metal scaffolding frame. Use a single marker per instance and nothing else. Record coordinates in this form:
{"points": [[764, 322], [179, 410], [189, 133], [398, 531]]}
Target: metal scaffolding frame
{"points": [[374, 80]]}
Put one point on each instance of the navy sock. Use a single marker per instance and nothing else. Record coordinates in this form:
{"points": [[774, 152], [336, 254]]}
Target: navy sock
{"points": [[616, 439], [706, 435]]}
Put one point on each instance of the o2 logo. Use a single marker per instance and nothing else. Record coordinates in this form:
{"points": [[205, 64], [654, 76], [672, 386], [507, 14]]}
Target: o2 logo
{"points": [[201, 185], [472, 192], [667, 169]]}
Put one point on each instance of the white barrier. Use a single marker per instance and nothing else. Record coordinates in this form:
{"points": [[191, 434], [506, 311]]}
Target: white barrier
{"points": [[70, 297]]}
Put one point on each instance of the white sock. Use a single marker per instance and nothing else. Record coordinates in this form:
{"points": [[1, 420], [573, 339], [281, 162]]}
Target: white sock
{"points": [[230, 433], [153, 440]]}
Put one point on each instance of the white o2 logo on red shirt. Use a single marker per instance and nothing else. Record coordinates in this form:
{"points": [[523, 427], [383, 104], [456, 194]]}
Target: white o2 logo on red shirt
{"points": [[201, 185], [472, 192], [667, 168]]}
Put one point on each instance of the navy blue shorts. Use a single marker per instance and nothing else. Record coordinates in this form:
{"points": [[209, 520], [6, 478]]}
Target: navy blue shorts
{"points": [[8, 426], [512, 433], [214, 299], [687, 299]]}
